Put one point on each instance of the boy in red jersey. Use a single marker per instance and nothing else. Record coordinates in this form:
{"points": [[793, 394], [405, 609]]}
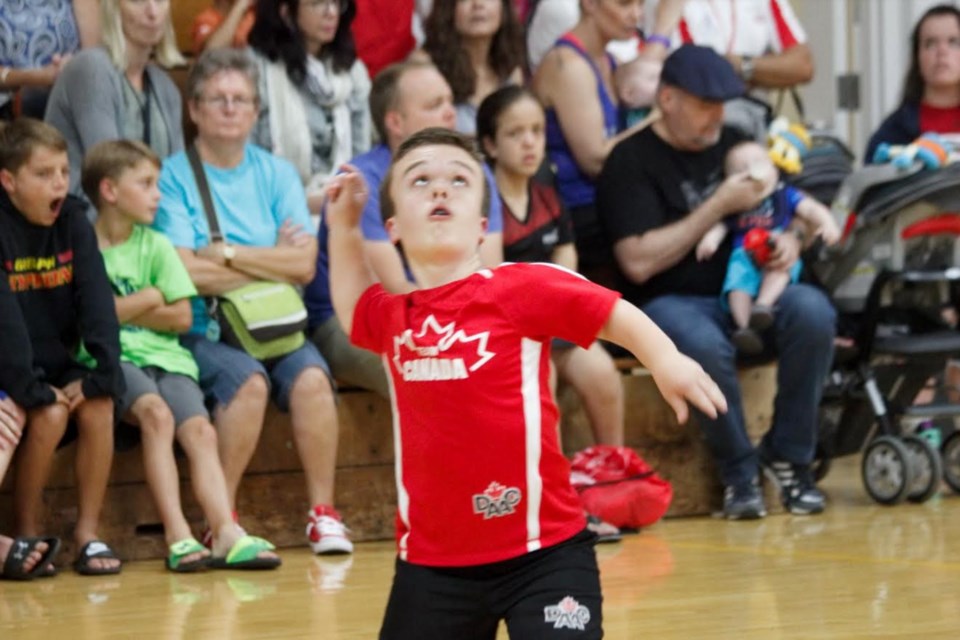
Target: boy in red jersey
{"points": [[489, 527]]}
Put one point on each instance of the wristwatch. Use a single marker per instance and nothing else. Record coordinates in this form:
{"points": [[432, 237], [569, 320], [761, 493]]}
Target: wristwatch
{"points": [[229, 253], [747, 67]]}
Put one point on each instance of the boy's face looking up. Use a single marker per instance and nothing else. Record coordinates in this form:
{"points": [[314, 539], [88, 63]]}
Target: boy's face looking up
{"points": [[39, 186], [135, 192], [437, 191]]}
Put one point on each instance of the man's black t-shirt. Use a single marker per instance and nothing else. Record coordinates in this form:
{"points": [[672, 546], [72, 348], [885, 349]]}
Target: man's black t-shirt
{"points": [[646, 184]]}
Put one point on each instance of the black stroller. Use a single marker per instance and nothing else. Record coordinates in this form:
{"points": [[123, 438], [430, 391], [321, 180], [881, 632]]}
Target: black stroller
{"points": [[893, 276]]}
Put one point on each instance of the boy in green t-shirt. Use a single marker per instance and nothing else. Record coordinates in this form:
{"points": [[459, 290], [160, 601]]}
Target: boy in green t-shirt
{"points": [[152, 292]]}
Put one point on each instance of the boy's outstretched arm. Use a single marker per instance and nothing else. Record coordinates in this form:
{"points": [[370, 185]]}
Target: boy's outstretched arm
{"points": [[679, 378], [349, 274]]}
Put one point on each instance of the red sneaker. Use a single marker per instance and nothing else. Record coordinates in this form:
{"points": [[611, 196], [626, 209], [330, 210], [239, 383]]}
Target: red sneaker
{"points": [[326, 531]]}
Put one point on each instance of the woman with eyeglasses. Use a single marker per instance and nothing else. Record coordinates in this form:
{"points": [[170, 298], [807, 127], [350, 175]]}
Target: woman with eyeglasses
{"points": [[261, 210], [120, 90], [311, 82]]}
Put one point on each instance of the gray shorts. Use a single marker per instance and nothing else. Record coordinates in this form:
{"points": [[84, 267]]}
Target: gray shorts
{"points": [[350, 363], [180, 392]]}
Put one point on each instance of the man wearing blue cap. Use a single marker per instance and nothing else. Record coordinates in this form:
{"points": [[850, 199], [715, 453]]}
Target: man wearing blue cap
{"points": [[659, 192]]}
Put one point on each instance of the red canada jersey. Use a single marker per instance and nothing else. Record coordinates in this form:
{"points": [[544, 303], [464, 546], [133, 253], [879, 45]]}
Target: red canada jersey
{"points": [[480, 474]]}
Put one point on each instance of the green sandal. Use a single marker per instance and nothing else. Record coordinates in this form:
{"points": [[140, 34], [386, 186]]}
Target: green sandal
{"points": [[183, 548], [244, 555]]}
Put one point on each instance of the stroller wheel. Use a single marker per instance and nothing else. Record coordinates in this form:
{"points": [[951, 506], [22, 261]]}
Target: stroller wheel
{"points": [[887, 470], [927, 468], [950, 451]]}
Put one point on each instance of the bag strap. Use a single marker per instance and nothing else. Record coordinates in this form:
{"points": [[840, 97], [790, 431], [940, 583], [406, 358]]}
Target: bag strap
{"points": [[204, 187], [797, 102]]}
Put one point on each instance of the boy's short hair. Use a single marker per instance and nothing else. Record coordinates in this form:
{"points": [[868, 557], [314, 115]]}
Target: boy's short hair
{"points": [[109, 159], [432, 137], [19, 138]]}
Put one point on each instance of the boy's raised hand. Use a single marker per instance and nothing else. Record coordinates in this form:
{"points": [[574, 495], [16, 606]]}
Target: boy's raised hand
{"points": [[346, 197], [681, 380]]}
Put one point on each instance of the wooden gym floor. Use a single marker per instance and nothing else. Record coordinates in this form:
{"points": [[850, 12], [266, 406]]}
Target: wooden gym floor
{"points": [[858, 571]]}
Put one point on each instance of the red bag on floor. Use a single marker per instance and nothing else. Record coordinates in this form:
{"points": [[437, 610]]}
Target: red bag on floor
{"points": [[615, 484]]}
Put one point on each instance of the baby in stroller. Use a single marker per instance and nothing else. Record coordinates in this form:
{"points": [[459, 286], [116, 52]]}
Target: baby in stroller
{"points": [[751, 289], [891, 278]]}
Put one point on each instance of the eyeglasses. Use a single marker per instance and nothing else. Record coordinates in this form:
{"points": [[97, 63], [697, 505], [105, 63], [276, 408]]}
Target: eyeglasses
{"points": [[222, 102], [321, 6]]}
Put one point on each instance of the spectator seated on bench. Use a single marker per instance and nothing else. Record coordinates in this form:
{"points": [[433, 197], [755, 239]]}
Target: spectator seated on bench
{"points": [[658, 196], [261, 208]]}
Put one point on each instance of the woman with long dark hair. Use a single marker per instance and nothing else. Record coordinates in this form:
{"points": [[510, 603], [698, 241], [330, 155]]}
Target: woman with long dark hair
{"points": [[931, 91], [478, 47], [310, 81]]}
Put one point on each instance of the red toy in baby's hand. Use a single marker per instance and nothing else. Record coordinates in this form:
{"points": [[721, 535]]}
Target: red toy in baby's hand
{"points": [[759, 244]]}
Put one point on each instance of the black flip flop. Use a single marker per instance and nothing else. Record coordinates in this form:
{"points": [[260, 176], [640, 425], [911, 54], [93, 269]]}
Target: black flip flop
{"points": [[90, 551], [20, 550]]}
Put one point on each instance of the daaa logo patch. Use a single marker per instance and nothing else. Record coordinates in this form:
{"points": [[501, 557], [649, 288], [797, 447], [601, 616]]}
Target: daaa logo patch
{"points": [[496, 501], [569, 614]]}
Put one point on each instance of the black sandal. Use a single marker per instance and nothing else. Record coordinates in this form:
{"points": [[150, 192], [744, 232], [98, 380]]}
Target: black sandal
{"points": [[20, 550], [91, 551]]}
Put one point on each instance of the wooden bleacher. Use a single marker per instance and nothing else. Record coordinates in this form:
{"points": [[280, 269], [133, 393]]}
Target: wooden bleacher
{"points": [[273, 501]]}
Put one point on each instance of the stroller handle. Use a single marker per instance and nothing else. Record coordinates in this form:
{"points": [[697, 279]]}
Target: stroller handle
{"points": [[946, 223]]}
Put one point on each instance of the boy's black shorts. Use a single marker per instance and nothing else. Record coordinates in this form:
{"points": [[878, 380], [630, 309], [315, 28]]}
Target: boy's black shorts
{"points": [[546, 594]]}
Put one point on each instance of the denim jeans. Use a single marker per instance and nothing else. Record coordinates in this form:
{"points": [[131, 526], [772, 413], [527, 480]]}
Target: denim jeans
{"points": [[801, 338]]}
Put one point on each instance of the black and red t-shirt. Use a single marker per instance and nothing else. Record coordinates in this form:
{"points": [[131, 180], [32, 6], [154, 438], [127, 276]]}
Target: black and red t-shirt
{"points": [[547, 225]]}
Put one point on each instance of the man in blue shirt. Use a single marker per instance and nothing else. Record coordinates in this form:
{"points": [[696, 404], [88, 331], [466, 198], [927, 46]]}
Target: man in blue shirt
{"points": [[405, 98]]}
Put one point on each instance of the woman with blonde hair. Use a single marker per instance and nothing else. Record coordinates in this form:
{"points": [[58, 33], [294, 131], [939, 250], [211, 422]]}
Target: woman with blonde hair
{"points": [[120, 90]]}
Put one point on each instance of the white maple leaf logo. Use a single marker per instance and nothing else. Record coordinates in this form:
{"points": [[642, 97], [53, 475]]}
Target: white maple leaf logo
{"points": [[447, 335]]}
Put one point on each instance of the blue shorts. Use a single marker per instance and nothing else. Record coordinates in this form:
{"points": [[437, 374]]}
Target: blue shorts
{"points": [[224, 369], [743, 274]]}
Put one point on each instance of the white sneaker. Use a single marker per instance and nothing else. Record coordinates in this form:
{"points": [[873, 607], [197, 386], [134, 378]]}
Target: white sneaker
{"points": [[326, 531]]}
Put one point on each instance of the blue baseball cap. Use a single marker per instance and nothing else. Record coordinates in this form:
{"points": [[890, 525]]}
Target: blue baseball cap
{"points": [[703, 72]]}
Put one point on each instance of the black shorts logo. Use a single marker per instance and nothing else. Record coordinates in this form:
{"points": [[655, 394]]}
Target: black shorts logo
{"points": [[569, 614]]}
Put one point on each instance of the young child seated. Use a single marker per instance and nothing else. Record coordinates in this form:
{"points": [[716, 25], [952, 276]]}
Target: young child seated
{"points": [[54, 294], [488, 527], [636, 83], [152, 292], [752, 287]]}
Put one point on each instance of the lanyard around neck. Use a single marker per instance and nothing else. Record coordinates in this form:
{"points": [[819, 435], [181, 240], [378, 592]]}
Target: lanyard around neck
{"points": [[145, 108]]}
